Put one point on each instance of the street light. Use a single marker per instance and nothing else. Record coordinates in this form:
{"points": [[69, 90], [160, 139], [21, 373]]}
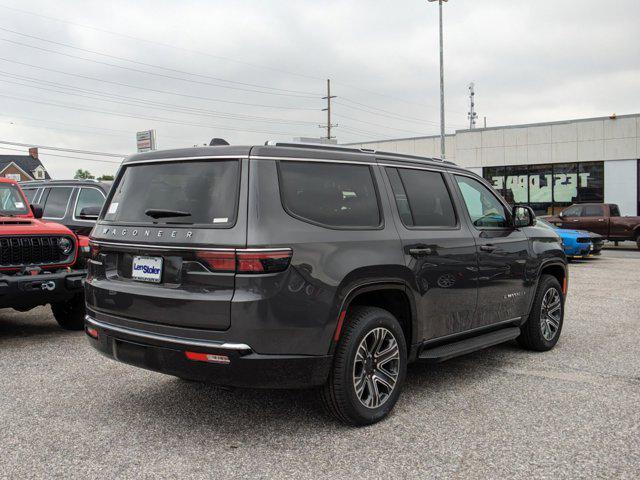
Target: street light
{"points": [[441, 81]]}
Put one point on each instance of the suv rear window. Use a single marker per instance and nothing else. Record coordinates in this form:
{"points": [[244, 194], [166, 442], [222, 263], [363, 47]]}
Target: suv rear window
{"points": [[330, 194], [198, 192]]}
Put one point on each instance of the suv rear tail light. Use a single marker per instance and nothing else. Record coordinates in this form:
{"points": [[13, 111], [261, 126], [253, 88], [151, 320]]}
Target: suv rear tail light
{"points": [[220, 261], [247, 261]]}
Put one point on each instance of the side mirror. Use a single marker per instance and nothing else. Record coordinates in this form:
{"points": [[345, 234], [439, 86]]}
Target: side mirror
{"points": [[90, 213], [36, 210], [523, 216]]}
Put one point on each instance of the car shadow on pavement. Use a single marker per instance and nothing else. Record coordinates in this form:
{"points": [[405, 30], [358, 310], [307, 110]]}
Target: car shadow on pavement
{"points": [[15, 324], [247, 414]]}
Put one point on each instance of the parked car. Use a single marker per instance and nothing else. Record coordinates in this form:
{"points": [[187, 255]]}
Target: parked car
{"points": [[601, 218], [38, 261], [576, 243], [292, 266], [63, 201]]}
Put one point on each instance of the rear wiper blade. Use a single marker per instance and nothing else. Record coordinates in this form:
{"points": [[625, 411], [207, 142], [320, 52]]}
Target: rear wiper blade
{"points": [[160, 213]]}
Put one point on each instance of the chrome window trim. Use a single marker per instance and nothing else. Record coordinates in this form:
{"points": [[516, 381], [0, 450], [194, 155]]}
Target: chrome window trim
{"points": [[166, 338], [75, 204], [174, 159]]}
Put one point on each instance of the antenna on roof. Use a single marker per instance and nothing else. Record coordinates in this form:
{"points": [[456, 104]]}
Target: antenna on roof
{"points": [[218, 141]]}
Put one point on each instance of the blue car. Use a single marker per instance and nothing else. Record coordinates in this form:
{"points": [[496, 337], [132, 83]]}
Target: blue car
{"points": [[576, 243]]}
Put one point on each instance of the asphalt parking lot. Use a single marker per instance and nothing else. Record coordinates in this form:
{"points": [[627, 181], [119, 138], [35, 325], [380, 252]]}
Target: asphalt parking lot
{"points": [[573, 412]]}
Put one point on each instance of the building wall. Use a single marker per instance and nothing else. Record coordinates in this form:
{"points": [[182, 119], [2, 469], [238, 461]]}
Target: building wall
{"points": [[614, 141]]}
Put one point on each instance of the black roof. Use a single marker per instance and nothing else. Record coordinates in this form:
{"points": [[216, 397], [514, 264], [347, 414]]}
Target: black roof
{"points": [[291, 150], [25, 162]]}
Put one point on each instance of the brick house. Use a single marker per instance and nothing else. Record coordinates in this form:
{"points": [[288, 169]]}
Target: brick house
{"points": [[23, 167]]}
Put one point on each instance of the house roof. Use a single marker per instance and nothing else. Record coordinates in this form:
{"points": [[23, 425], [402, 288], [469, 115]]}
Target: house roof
{"points": [[25, 162]]}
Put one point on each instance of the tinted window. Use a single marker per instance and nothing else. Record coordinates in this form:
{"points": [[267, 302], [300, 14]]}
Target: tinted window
{"points": [[483, 206], [202, 192], [572, 211], [331, 194], [614, 211], [56, 203], [593, 211], [89, 197], [30, 193], [422, 198]]}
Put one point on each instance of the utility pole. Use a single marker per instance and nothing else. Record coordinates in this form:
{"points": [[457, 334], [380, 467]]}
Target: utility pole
{"points": [[328, 98], [442, 153], [472, 115]]}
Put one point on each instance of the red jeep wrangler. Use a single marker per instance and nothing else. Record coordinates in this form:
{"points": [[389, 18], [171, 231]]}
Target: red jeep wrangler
{"points": [[37, 260]]}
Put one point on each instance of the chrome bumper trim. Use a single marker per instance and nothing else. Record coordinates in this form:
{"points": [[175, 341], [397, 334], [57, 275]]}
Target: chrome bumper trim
{"points": [[165, 338]]}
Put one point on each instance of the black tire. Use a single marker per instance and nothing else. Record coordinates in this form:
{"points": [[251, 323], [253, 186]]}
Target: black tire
{"points": [[339, 394], [638, 240], [70, 314], [538, 332]]}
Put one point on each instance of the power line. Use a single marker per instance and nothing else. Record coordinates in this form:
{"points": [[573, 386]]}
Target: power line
{"points": [[166, 45], [66, 156], [149, 103], [378, 125], [144, 117], [137, 70], [218, 57], [164, 92], [60, 149], [42, 39]]}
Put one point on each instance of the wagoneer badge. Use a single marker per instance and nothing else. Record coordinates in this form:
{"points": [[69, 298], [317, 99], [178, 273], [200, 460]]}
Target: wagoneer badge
{"points": [[144, 232]]}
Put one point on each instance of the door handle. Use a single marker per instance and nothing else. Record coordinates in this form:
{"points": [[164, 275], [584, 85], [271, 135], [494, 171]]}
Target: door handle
{"points": [[576, 220], [420, 252], [601, 219], [487, 248]]}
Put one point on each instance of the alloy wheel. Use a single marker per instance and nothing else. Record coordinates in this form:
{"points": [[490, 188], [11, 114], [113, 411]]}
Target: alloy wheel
{"points": [[550, 313], [376, 367]]}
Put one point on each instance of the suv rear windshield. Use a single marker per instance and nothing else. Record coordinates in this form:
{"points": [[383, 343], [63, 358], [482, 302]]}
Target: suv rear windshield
{"points": [[11, 202], [199, 192]]}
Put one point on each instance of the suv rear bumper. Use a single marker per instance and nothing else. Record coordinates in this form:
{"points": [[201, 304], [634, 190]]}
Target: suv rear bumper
{"points": [[26, 291], [245, 368]]}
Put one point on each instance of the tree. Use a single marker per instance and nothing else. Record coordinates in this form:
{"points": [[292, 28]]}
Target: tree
{"points": [[83, 174], [106, 178]]}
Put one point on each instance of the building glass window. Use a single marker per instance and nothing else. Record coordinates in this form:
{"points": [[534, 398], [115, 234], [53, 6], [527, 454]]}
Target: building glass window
{"points": [[516, 181], [548, 188]]}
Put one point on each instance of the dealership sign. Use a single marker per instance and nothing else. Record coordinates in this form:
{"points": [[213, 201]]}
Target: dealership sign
{"points": [[146, 141]]}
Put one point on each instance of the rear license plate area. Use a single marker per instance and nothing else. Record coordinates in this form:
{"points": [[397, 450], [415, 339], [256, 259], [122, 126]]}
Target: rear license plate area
{"points": [[147, 269]]}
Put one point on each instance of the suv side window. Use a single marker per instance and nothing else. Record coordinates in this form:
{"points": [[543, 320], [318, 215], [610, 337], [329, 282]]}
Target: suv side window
{"points": [[88, 197], [422, 198], [57, 201], [30, 193], [483, 206], [572, 211], [330, 194], [592, 211]]}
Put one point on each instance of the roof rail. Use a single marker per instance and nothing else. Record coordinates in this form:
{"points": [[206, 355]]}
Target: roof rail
{"points": [[341, 148]]}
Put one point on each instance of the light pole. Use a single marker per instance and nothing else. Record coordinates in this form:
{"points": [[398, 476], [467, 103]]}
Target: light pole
{"points": [[441, 81]]}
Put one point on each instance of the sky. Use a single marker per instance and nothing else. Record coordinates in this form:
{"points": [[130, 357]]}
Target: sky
{"points": [[87, 75]]}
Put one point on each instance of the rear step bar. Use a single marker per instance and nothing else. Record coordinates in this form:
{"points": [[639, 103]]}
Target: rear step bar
{"points": [[451, 350]]}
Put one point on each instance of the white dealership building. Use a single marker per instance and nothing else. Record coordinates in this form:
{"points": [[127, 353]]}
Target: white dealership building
{"points": [[547, 165]]}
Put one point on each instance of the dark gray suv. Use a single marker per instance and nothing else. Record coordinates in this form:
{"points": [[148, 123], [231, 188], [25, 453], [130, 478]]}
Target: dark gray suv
{"points": [[291, 266]]}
